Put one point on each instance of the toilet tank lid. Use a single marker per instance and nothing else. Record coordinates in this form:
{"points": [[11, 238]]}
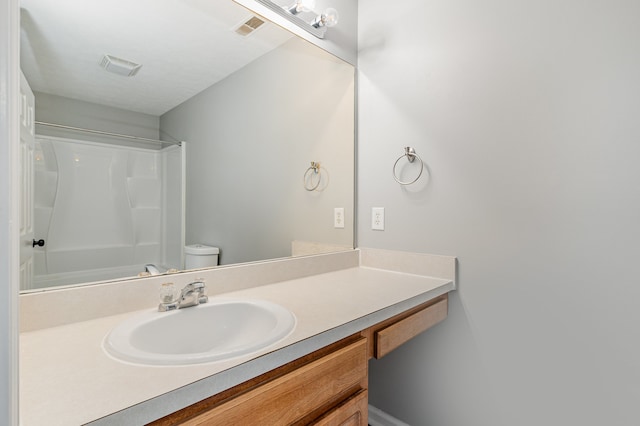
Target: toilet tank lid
{"points": [[201, 250]]}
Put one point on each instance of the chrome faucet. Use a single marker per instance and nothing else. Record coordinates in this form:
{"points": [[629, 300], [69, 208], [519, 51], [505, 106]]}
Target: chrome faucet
{"points": [[151, 269], [191, 295]]}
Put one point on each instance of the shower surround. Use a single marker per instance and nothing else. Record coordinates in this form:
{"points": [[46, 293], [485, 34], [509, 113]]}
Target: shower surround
{"points": [[104, 210]]}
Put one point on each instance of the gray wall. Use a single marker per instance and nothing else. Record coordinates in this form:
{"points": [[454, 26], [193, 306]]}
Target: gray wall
{"points": [[71, 112], [250, 139], [526, 114]]}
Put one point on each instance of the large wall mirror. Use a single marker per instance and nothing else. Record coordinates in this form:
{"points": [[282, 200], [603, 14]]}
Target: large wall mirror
{"points": [[240, 109]]}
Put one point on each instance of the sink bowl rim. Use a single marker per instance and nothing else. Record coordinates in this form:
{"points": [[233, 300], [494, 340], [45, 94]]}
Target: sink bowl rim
{"points": [[118, 346]]}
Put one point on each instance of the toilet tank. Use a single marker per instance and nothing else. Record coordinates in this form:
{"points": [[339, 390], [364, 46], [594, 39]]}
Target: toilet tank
{"points": [[198, 256]]}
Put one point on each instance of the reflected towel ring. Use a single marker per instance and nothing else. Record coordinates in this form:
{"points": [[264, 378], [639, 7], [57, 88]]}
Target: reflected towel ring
{"points": [[315, 168], [411, 155]]}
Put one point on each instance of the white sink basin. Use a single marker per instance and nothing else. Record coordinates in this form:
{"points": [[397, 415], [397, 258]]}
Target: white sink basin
{"points": [[213, 331]]}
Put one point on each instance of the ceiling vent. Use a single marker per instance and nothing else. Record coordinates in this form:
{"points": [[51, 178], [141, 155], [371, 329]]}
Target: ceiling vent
{"points": [[249, 26], [119, 66]]}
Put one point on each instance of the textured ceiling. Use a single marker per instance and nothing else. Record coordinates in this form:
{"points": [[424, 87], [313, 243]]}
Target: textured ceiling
{"points": [[184, 47]]}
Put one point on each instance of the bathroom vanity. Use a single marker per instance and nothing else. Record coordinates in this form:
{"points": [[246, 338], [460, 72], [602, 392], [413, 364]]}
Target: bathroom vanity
{"points": [[349, 307], [326, 387]]}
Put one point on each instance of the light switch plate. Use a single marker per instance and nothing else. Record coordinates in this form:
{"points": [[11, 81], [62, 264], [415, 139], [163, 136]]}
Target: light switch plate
{"points": [[338, 217], [377, 218]]}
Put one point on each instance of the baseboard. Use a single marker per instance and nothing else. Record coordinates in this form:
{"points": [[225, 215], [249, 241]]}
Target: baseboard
{"points": [[378, 417]]}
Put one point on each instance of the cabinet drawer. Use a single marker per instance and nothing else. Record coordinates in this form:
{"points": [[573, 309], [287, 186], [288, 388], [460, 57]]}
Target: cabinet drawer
{"points": [[391, 336], [291, 397]]}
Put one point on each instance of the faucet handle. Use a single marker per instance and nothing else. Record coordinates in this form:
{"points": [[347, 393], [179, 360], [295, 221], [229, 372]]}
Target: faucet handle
{"points": [[198, 284], [167, 292]]}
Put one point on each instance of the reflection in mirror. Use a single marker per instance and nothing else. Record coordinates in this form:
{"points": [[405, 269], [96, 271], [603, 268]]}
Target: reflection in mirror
{"points": [[241, 109]]}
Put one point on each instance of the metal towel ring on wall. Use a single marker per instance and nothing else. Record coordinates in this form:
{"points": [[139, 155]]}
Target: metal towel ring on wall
{"points": [[411, 155], [315, 169]]}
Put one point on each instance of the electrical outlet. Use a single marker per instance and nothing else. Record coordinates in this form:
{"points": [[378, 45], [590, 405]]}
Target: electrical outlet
{"points": [[377, 218], [338, 217]]}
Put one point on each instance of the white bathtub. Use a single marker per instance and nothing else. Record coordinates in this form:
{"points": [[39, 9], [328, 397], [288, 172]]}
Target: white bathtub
{"points": [[88, 276]]}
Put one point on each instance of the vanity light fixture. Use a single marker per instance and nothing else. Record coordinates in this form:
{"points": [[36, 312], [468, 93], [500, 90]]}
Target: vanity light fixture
{"points": [[328, 18], [293, 13], [301, 6]]}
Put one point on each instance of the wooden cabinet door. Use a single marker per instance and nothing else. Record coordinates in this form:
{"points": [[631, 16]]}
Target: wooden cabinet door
{"points": [[352, 412], [290, 398]]}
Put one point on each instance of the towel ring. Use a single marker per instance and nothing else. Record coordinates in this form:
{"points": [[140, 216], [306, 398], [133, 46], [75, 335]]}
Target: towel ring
{"points": [[315, 168], [411, 155]]}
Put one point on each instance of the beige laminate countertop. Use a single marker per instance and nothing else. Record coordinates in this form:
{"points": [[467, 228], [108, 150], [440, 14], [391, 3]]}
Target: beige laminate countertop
{"points": [[67, 379]]}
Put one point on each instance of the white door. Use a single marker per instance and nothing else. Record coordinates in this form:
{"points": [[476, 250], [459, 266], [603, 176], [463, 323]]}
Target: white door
{"points": [[27, 142]]}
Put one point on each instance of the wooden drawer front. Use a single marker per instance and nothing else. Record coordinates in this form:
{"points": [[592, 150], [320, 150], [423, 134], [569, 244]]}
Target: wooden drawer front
{"points": [[352, 412], [389, 338], [288, 398]]}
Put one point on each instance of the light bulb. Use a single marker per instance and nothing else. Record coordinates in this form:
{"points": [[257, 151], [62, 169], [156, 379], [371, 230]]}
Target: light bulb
{"points": [[329, 18], [302, 6]]}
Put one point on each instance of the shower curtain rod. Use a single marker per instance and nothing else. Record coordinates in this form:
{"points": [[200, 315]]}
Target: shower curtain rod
{"points": [[100, 132]]}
